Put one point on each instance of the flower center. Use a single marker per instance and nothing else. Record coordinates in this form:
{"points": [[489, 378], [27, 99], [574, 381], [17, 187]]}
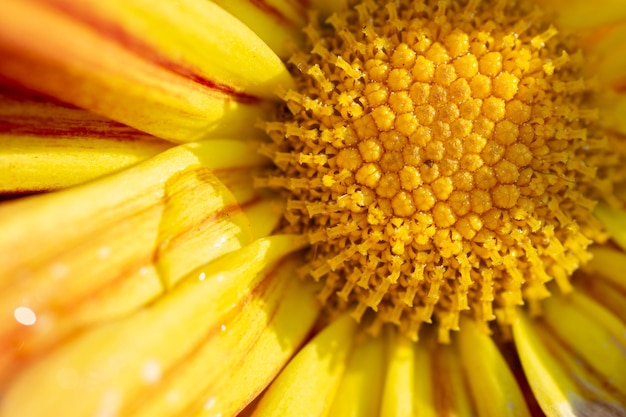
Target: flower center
{"points": [[440, 157]]}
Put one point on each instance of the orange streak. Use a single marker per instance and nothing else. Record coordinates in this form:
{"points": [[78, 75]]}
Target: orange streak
{"points": [[110, 30]]}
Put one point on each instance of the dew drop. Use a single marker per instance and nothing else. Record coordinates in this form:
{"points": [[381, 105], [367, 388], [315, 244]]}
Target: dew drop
{"points": [[151, 371], [210, 403], [110, 404], [172, 396], [220, 243], [58, 270], [25, 316], [104, 252]]}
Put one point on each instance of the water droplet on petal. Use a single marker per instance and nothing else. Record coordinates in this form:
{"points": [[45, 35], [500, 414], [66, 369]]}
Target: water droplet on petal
{"points": [[58, 270], [210, 403], [151, 371], [25, 316], [104, 252]]}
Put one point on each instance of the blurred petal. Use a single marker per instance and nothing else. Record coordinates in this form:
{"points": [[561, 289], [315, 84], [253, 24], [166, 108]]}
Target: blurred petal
{"points": [[609, 263], [613, 108], [215, 321], [328, 7], [424, 387], [493, 386], [425, 379], [452, 396], [584, 14], [612, 298], [591, 333], [115, 243], [277, 22], [308, 384], [607, 48], [265, 215], [550, 384], [181, 71], [614, 220], [399, 392], [605, 280], [45, 145], [562, 383], [360, 390]]}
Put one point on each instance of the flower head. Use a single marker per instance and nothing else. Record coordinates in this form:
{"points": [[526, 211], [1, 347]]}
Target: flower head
{"points": [[441, 157], [453, 162]]}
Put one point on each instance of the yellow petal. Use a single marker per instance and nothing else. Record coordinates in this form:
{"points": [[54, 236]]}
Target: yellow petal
{"points": [[606, 48], [204, 321], [244, 355], [424, 387], [610, 264], [493, 386], [277, 22], [451, 393], [613, 108], [584, 14], [550, 385], [328, 7], [593, 334], [196, 39], [307, 386], [399, 392], [265, 215], [47, 146], [614, 221], [605, 281], [561, 384], [201, 214], [425, 379], [612, 298], [291, 323], [360, 390], [113, 244], [181, 71]]}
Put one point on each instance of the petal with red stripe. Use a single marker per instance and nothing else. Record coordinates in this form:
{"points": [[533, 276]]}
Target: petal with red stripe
{"points": [[45, 145], [181, 71]]}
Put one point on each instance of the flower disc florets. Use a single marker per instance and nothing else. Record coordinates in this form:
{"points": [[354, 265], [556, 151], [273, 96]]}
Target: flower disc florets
{"points": [[440, 156]]}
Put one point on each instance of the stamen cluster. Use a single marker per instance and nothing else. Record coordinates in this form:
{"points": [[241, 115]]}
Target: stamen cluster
{"points": [[437, 155]]}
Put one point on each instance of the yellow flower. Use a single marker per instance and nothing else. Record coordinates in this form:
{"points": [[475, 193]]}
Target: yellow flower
{"points": [[162, 277]]}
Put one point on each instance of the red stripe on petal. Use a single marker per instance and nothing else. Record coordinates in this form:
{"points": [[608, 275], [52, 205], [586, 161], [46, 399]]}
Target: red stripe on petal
{"points": [[23, 112], [59, 127], [121, 36], [270, 10]]}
